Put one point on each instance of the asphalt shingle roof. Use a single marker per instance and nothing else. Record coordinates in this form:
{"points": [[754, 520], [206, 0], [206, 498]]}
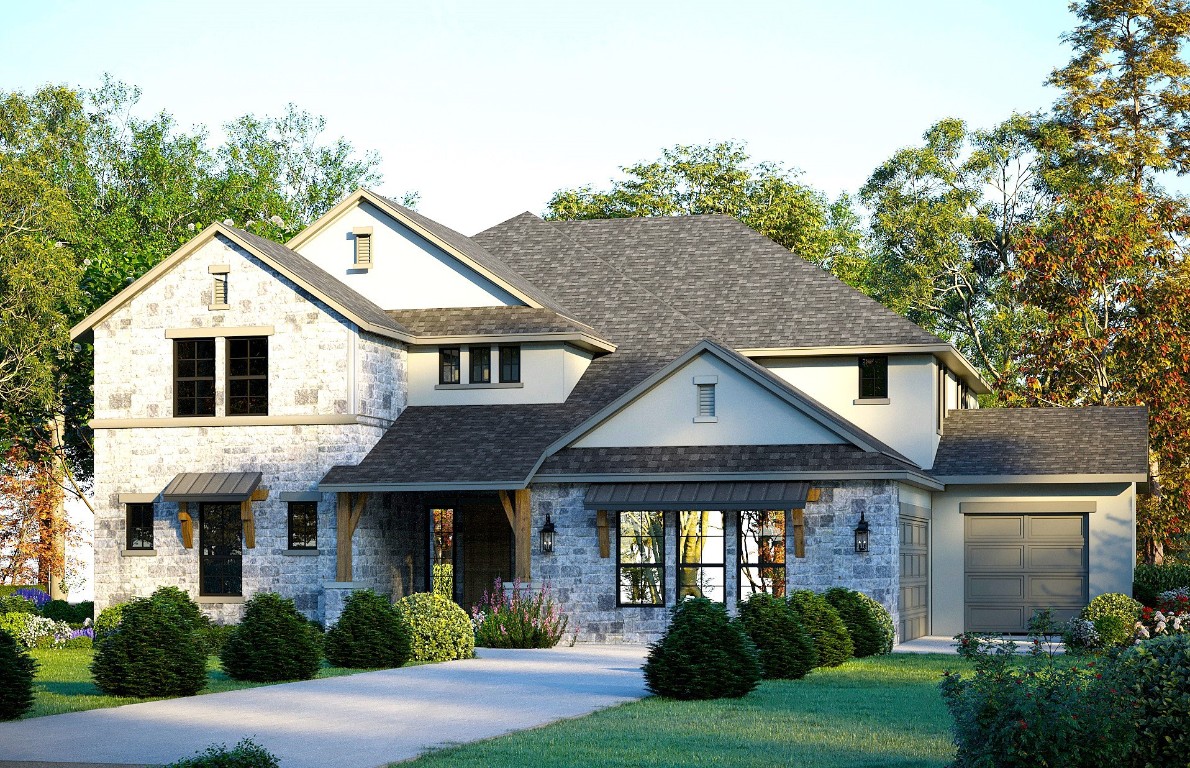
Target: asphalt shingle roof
{"points": [[487, 321], [719, 458], [1043, 441]]}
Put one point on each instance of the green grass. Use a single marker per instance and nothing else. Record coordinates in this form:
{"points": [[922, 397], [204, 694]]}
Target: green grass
{"points": [[64, 682], [881, 711]]}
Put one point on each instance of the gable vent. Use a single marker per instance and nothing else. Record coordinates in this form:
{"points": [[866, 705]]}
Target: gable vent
{"points": [[705, 387], [363, 247]]}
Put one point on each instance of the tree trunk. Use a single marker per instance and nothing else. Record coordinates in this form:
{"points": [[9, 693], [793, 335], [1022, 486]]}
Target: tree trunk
{"points": [[1154, 546]]}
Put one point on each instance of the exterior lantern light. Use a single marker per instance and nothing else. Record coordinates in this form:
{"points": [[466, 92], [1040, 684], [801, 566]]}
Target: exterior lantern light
{"points": [[547, 536], [861, 535]]}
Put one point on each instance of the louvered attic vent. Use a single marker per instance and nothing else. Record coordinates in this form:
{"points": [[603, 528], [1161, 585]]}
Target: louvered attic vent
{"points": [[218, 274], [363, 247], [705, 386]]}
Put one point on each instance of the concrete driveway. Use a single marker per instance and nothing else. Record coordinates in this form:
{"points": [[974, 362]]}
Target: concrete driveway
{"points": [[357, 721]]}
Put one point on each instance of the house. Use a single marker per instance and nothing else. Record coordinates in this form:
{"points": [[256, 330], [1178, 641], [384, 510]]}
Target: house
{"points": [[629, 410]]}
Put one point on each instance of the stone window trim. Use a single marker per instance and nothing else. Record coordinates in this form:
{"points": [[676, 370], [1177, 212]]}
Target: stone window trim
{"points": [[656, 521], [759, 564], [873, 377]]}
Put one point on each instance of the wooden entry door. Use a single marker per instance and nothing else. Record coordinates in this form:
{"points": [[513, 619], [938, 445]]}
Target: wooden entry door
{"points": [[484, 552], [221, 549]]}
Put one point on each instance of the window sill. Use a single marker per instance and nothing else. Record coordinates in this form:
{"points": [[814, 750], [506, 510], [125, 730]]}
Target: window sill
{"points": [[214, 307], [495, 385], [871, 401], [138, 553], [706, 419], [301, 553], [220, 600]]}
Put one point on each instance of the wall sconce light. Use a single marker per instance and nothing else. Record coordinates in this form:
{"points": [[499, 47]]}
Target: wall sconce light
{"points": [[861, 535], [547, 536]]}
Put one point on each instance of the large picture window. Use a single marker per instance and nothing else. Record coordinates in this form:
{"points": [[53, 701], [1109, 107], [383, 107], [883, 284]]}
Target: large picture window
{"points": [[303, 525], [248, 376], [762, 552], [139, 526], [701, 555], [641, 558], [194, 377]]}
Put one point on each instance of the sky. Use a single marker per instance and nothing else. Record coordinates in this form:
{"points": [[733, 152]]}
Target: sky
{"points": [[487, 108]]}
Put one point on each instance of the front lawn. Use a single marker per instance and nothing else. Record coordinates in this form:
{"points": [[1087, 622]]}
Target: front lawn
{"points": [[63, 682], [881, 711]]}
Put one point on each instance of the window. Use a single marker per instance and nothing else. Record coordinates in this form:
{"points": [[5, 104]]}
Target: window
{"points": [[363, 247], [640, 565], [448, 365], [701, 555], [139, 526], [762, 552], [248, 376], [442, 555], [303, 525], [481, 364], [221, 550], [873, 378], [510, 365], [194, 377]]}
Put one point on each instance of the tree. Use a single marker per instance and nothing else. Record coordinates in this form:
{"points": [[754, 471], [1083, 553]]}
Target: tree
{"points": [[720, 178], [1126, 92], [943, 221], [31, 530], [1111, 279]]}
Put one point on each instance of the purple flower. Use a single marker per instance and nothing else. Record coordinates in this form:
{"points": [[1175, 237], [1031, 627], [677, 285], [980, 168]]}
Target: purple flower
{"points": [[85, 632], [35, 596]]}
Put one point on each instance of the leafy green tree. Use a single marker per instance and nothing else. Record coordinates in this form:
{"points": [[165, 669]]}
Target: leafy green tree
{"points": [[721, 178]]}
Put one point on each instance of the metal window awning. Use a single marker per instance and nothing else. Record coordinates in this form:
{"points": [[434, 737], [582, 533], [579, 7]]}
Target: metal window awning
{"points": [[212, 486], [720, 495]]}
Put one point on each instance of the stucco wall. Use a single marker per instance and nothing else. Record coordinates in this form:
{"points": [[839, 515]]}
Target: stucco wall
{"points": [[1111, 544], [746, 413], [548, 374], [408, 272]]}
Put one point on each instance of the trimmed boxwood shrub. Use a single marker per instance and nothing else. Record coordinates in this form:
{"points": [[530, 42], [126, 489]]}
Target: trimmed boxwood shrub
{"points": [[108, 620], [786, 649], [271, 644], [153, 653], [1114, 604], [862, 617], [440, 630], [185, 606], [17, 604], [17, 668], [246, 754], [1148, 581], [371, 633], [702, 655], [1155, 676], [828, 630], [71, 613]]}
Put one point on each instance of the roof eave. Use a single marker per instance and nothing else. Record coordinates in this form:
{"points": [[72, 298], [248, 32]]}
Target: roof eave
{"points": [[493, 485], [1039, 479], [911, 478], [582, 340]]}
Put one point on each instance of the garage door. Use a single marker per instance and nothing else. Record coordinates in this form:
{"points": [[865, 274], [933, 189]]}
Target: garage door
{"points": [[1018, 564], [914, 607]]}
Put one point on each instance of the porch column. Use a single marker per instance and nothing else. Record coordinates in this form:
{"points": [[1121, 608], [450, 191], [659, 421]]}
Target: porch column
{"points": [[347, 514], [519, 510]]}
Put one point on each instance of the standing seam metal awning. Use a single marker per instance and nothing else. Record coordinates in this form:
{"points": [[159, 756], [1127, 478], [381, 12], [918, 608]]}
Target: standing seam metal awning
{"points": [[211, 486], [723, 495]]}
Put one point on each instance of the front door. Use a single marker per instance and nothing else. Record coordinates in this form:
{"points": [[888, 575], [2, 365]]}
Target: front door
{"points": [[471, 549], [220, 542]]}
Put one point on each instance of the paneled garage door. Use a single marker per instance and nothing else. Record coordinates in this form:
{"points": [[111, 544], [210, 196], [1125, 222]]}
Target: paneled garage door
{"points": [[914, 607], [1017, 564]]}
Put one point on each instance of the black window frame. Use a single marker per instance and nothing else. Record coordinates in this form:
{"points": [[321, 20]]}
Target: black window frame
{"points": [[445, 364], [253, 381], [658, 566], [742, 565], [873, 385], [229, 514], [308, 509], [702, 564], [479, 365], [510, 361], [138, 526], [190, 366]]}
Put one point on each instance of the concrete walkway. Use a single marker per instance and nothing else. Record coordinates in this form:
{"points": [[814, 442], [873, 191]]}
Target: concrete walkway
{"points": [[941, 644], [356, 721]]}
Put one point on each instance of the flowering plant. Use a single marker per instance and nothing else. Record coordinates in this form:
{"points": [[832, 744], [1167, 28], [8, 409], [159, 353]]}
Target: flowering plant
{"points": [[1174, 601], [1081, 634], [33, 631], [518, 620], [35, 596], [1155, 623]]}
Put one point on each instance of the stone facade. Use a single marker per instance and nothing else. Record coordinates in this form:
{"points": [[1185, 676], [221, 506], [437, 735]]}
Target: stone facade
{"points": [[585, 583]]}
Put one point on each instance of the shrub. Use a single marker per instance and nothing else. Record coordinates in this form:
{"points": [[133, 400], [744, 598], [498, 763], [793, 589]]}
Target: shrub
{"points": [[518, 620], [272, 643], [1113, 631], [1174, 600], [1148, 581], [1153, 675], [862, 616], [371, 633], [702, 655], [1113, 604], [153, 653], [786, 649], [33, 631], [444, 580], [17, 604], [80, 638], [441, 630], [1028, 711], [108, 620], [16, 678], [1081, 635], [213, 637], [182, 602], [831, 639], [71, 613], [246, 754]]}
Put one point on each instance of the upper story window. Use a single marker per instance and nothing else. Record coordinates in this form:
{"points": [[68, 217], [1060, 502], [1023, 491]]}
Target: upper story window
{"points": [[510, 365], [873, 377], [248, 376], [194, 377], [481, 364], [448, 365]]}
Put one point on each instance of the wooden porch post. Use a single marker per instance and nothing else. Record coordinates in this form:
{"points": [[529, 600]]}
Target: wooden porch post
{"points": [[519, 511], [347, 516]]}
